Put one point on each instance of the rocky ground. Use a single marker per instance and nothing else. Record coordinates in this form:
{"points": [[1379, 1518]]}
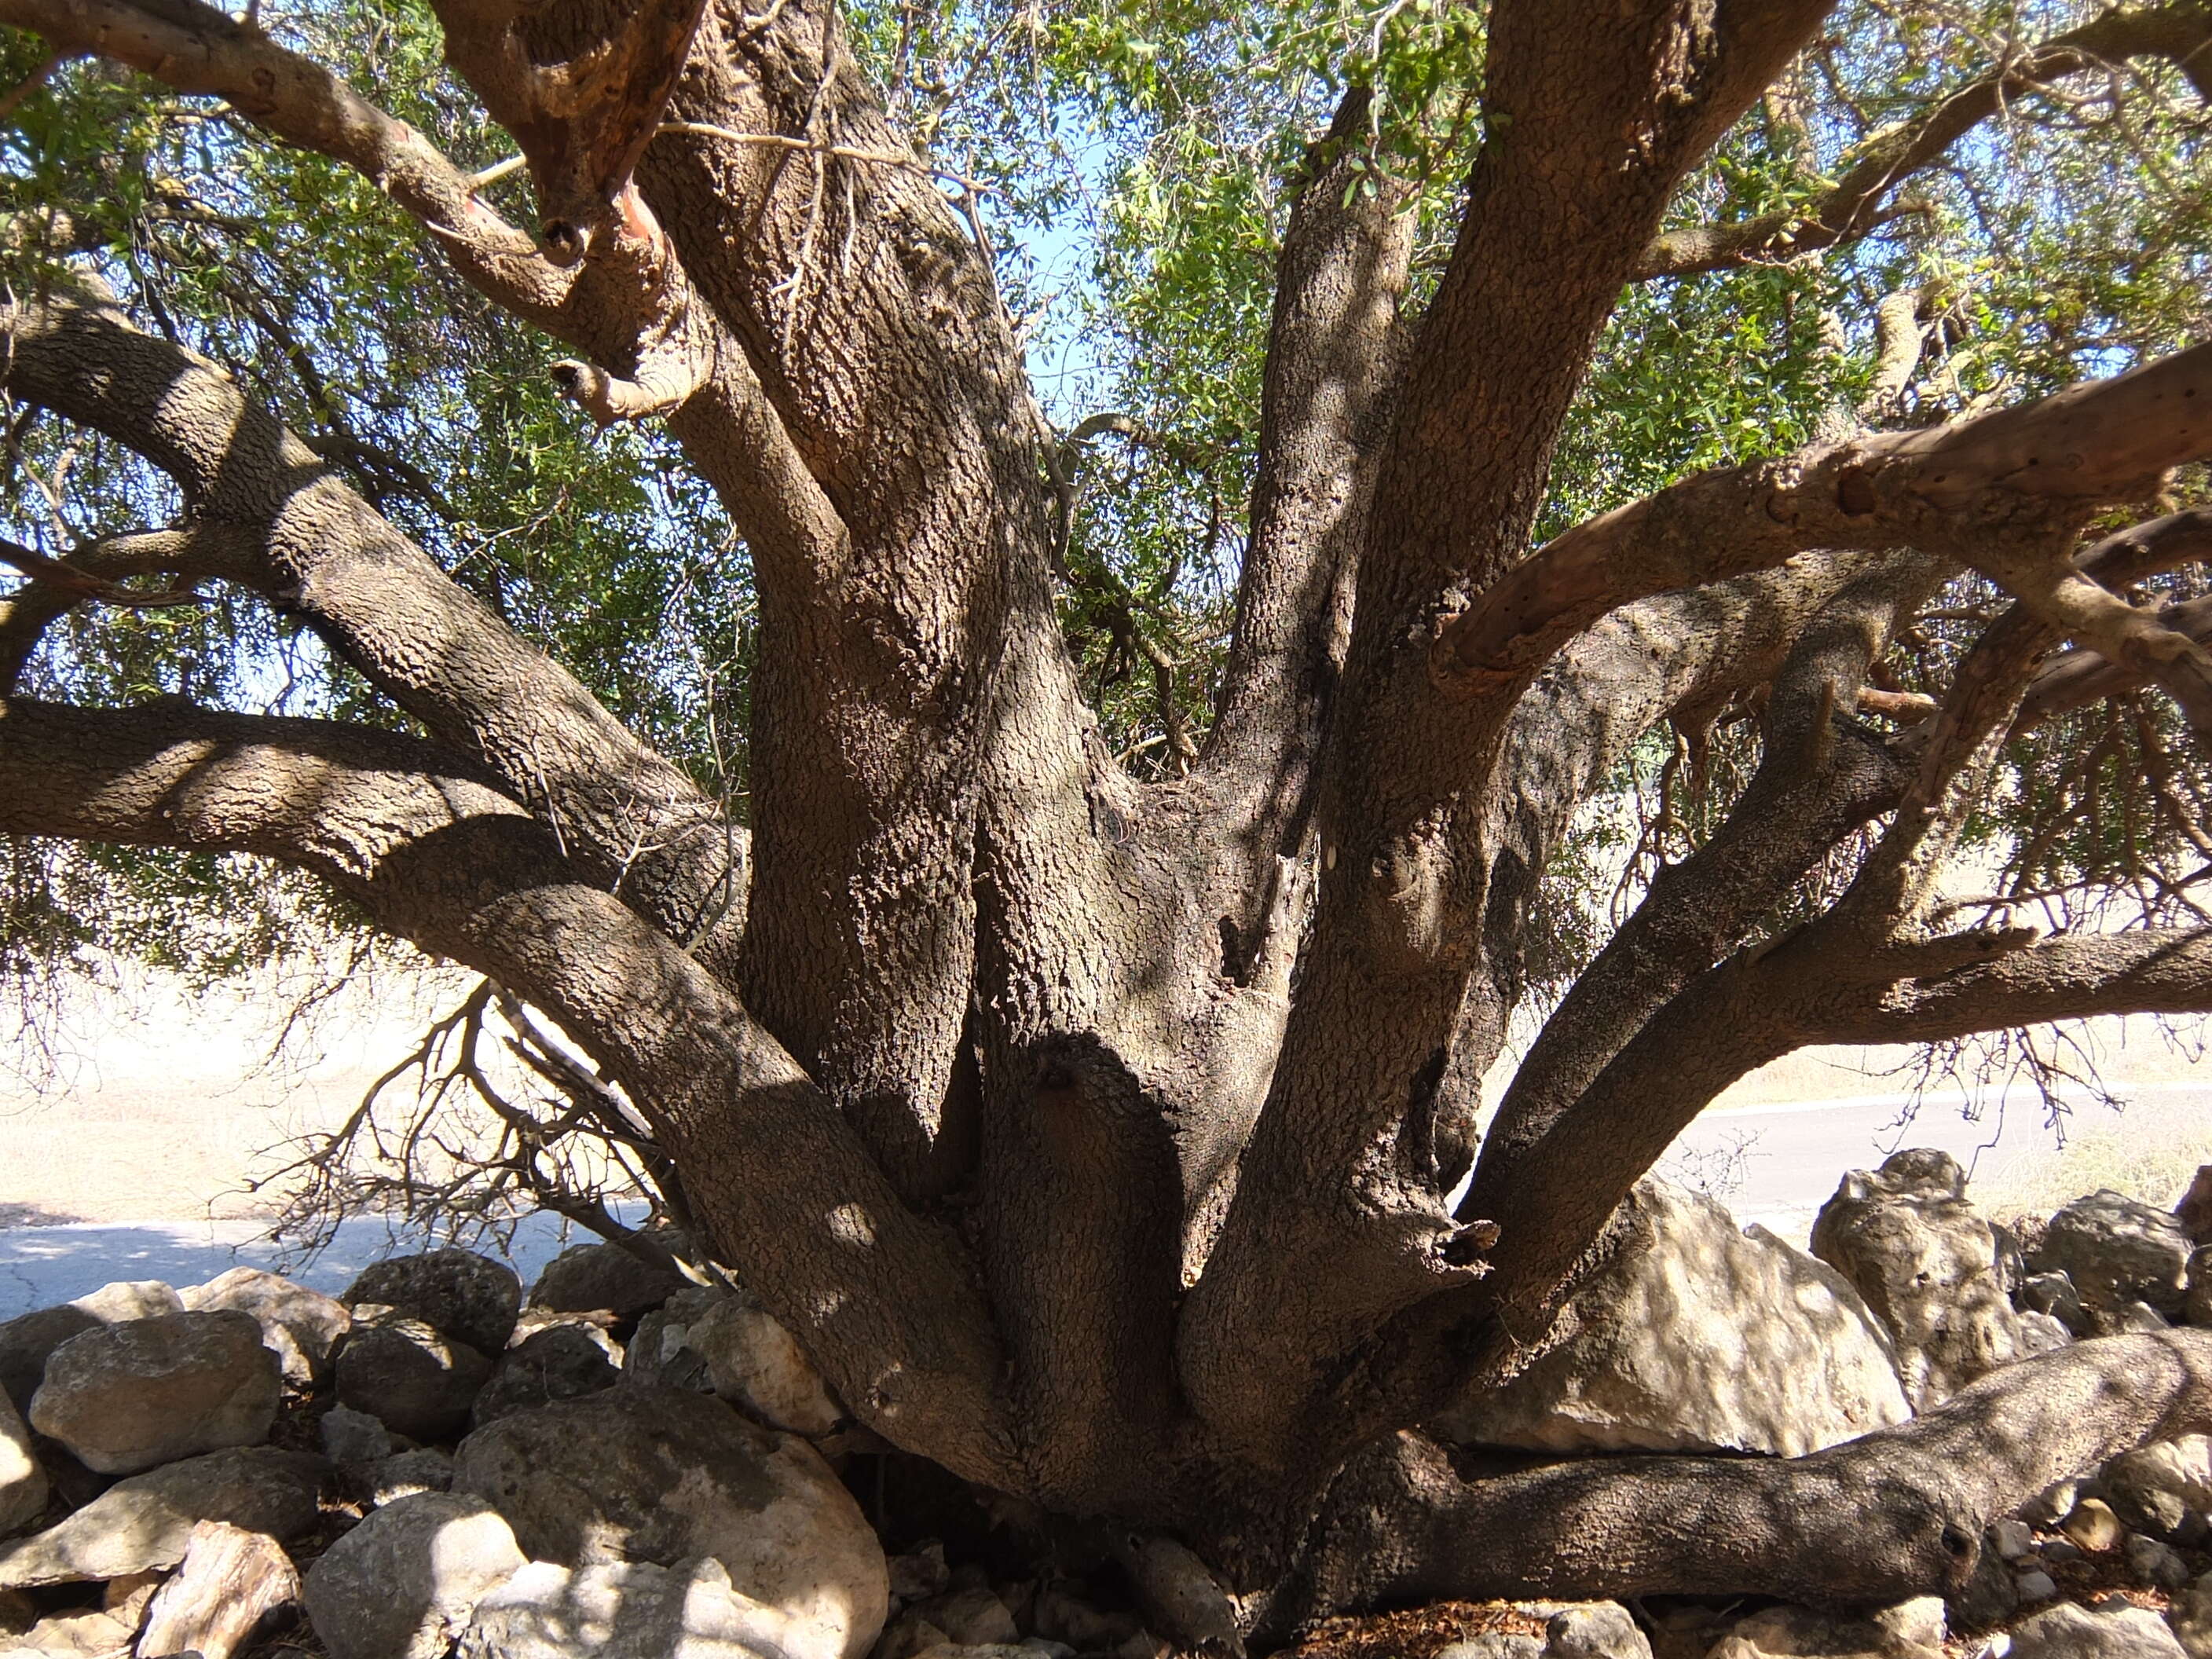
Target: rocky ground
{"points": [[630, 1463]]}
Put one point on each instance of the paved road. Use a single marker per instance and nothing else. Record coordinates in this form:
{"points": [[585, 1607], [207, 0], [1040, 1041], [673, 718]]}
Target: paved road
{"points": [[1794, 1153]]}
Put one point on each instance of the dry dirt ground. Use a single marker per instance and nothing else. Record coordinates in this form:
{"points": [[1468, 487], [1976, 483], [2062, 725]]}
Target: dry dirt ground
{"points": [[143, 1103]]}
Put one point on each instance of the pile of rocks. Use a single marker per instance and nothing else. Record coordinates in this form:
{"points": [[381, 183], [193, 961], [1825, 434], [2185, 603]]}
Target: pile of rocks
{"points": [[632, 1465]]}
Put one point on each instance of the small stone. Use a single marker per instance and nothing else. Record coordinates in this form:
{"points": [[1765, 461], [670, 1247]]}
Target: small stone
{"points": [[403, 1584], [458, 1293], [1988, 1598], [2053, 1295], [920, 1572], [424, 1469], [2153, 1563], [411, 1377], [2160, 1489], [970, 1618], [1597, 1630], [1781, 1630], [659, 1350], [144, 1522], [1497, 1644], [126, 1597], [1917, 1623], [2041, 1333], [1058, 1613], [560, 1362], [23, 1485], [2011, 1539], [908, 1636], [2036, 1585], [2062, 1552], [625, 1610], [758, 1367], [2197, 1305], [2054, 1502], [2194, 1212], [352, 1437], [2093, 1526], [587, 1277], [2190, 1618], [2067, 1631], [300, 1327], [2138, 1317], [143, 1392], [93, 1635]]}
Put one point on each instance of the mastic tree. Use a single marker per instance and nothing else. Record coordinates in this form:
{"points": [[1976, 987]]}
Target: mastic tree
{"points": [[1049, 894]]}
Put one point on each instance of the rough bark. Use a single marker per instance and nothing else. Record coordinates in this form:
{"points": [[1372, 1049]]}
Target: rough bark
{"points": [[1891, 1515]]}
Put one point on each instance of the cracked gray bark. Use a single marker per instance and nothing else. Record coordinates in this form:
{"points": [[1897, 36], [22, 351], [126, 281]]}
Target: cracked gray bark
{"points": [[1095, 1136]]}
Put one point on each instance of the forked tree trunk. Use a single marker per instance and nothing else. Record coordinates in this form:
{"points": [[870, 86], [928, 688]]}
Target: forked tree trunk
{"points": [[1096, 1137]]}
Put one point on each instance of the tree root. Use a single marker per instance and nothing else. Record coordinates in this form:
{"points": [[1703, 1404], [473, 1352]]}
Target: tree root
{"points": [[1893, 1514]]}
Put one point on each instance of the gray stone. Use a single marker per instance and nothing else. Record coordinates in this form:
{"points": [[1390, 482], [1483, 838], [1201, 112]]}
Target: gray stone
{"points": [[1695, 1337], [142, 1392], [757, 1365], [2155, 1564], [920, 1573], [143, 1522], [560, 1362], [93, 1634], [970, 1618], [2093, 1526], [1929, 1267], [2197, 1305], [1988, 1598], [2067, 1631], [2036, 1585], [403, 1584], [661, 1474], [1912, 1630], [1497, 1644], [660, 1349], [590, 1277], [2013, 1540], [2158, 1489], [627, 1610], [27, 1341], [2194, 1212], [425, 1468], [457, 1293], [23, 1486], [409, 1376], [1596, 1630], [2053, 1296], [300, 1327], [2041, 1333], [2117, 1251], [2190, 1618], [352, 1437], [1058, 1615]]}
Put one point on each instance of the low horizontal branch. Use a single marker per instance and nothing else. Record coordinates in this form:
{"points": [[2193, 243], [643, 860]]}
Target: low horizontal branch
{"points": [[2018, 476]]}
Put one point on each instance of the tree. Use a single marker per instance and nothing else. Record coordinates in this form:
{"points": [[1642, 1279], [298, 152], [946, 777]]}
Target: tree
{"points": [[1084, 1078]]}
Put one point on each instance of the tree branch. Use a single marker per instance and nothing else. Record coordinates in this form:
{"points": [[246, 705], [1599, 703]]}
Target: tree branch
{"points": [[1978, 489], [1894, 1514], [882, 1299], [1856, 204], [319, 551]]}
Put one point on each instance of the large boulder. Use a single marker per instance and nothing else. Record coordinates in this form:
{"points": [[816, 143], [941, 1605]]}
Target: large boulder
{"points": [[757, 1364], [23, 1488], [403, 1584], [1929, 1267], [131, 1395], [2118, 1252], [560, 1362], [626, 1610], [1698, 1337], [28, 1340], [144, 1523], [590, 1278], [300, 1327], [2068, 1632], [409, 1376], [666, 1475], [457, 1293]]}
